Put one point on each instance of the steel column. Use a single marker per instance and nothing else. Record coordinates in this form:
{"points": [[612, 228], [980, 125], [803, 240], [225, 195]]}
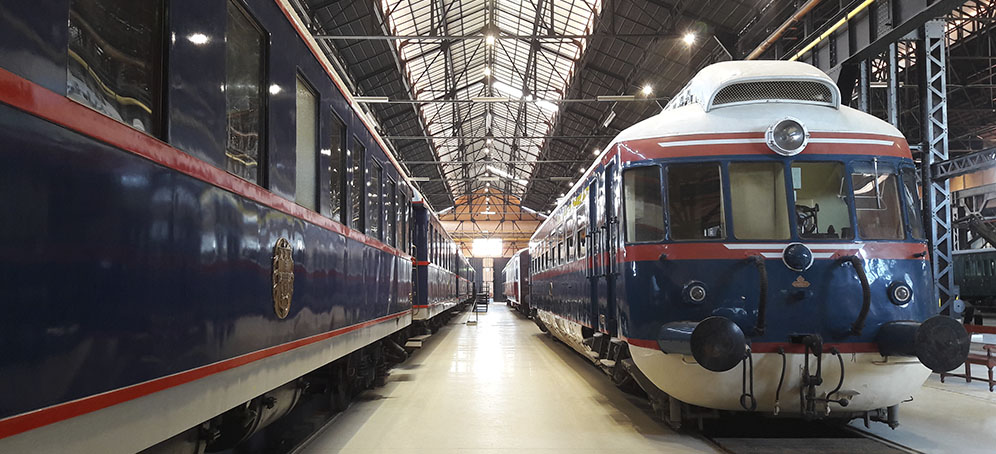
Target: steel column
{"points": [[937, 195], [864, 85], [892, 95]]}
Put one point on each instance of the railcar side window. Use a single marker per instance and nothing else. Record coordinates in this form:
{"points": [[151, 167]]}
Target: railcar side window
{"points": [[390, 201], [115, 59], [244, 95], [912, 202], [376, 210], [758, 199], [821, 210], [643, 204], [337, 164], [876, 200], [695, 201], [357, 186], [306, 119]]}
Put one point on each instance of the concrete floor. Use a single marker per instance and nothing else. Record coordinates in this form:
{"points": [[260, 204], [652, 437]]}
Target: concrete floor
{"points": [[502, 386]]}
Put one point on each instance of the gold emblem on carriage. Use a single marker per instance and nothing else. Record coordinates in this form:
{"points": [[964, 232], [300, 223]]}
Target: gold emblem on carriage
{"points": [[800, 282], [283, 277]]}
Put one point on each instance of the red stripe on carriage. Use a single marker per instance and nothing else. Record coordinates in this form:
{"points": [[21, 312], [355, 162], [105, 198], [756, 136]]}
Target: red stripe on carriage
{"points": [[14, 425]]}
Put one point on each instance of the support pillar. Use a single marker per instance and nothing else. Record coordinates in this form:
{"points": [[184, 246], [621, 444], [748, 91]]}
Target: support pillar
{"points": [[892, 95], [937, 195]]}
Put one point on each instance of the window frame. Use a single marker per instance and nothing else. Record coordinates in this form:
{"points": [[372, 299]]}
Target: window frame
{"points": [[263, 160], [342, 216], [361, 216], [316, 155], [662, 174], [724, 188]]}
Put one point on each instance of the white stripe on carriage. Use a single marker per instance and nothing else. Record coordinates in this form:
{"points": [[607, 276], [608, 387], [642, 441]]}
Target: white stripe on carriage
{"points": [[887, 143], [683, 143]]}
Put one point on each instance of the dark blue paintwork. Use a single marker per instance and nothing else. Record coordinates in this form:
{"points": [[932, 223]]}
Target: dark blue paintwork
{"points": [[650, 292], [436, 283], [117, 270]]}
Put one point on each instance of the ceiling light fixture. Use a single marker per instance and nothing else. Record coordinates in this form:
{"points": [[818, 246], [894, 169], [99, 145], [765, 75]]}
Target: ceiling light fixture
{"points": [[615, 98], [489, 39], [370, 99], [689, 38], [647, 90]]}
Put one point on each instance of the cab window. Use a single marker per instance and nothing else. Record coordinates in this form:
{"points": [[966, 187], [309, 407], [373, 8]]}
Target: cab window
{"points": [[821, 210], [876, 201], [695, 201], [758, 200]]}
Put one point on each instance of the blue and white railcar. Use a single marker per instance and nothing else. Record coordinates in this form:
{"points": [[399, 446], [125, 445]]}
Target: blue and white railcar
{"points": [[756, 246], [196, 214]]}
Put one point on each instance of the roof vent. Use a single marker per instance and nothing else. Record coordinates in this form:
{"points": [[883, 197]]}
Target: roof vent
{"points": [[798, 91]]}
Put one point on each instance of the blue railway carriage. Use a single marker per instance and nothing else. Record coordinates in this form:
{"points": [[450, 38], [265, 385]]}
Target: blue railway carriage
{"points": [[756, 246], [443, 276], [196, 216], [516, 286]]}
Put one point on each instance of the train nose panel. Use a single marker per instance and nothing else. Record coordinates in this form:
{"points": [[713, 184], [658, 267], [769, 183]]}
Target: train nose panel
{"points": [[940, 342], [716, 343]]}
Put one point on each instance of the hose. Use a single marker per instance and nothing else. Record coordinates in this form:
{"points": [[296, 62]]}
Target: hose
{"points": [[859, 268], [762, 300], [781, 380], [746, 396], [835, 352]]}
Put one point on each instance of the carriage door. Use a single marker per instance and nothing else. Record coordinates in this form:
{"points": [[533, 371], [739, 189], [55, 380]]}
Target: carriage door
{"points": [[610, 230], [593, 269]]}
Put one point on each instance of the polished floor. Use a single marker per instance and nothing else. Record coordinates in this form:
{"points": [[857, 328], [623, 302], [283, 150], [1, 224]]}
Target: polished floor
{"points": [[499, 386], [502, 386]]}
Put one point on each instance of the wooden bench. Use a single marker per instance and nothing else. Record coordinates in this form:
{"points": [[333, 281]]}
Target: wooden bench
{"points": [[986, 357]]}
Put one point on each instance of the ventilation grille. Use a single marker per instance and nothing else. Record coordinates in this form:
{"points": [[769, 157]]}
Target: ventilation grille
{"points": [[789, 90]]}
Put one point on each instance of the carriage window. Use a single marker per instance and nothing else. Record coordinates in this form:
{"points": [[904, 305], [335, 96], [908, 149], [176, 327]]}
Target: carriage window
{"points": [[876, 200], [375, 209], [357, 185], [244, 95], [643, 204], [582, 231], [337, 164], [402, 220], [390, 202], [306, 146], [695, 201], [115, 59], [912, 202], [821, 210], [757, 196]]}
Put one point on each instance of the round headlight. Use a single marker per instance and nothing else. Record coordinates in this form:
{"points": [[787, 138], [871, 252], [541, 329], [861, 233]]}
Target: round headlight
{"points": [[787, 137], [695, 292], [797, 257], [900, 293]]}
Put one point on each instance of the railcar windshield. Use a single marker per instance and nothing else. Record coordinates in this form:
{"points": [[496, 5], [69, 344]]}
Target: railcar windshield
{"points": [[695, 201], [821, 201], [758, 200], [876, 201]]}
